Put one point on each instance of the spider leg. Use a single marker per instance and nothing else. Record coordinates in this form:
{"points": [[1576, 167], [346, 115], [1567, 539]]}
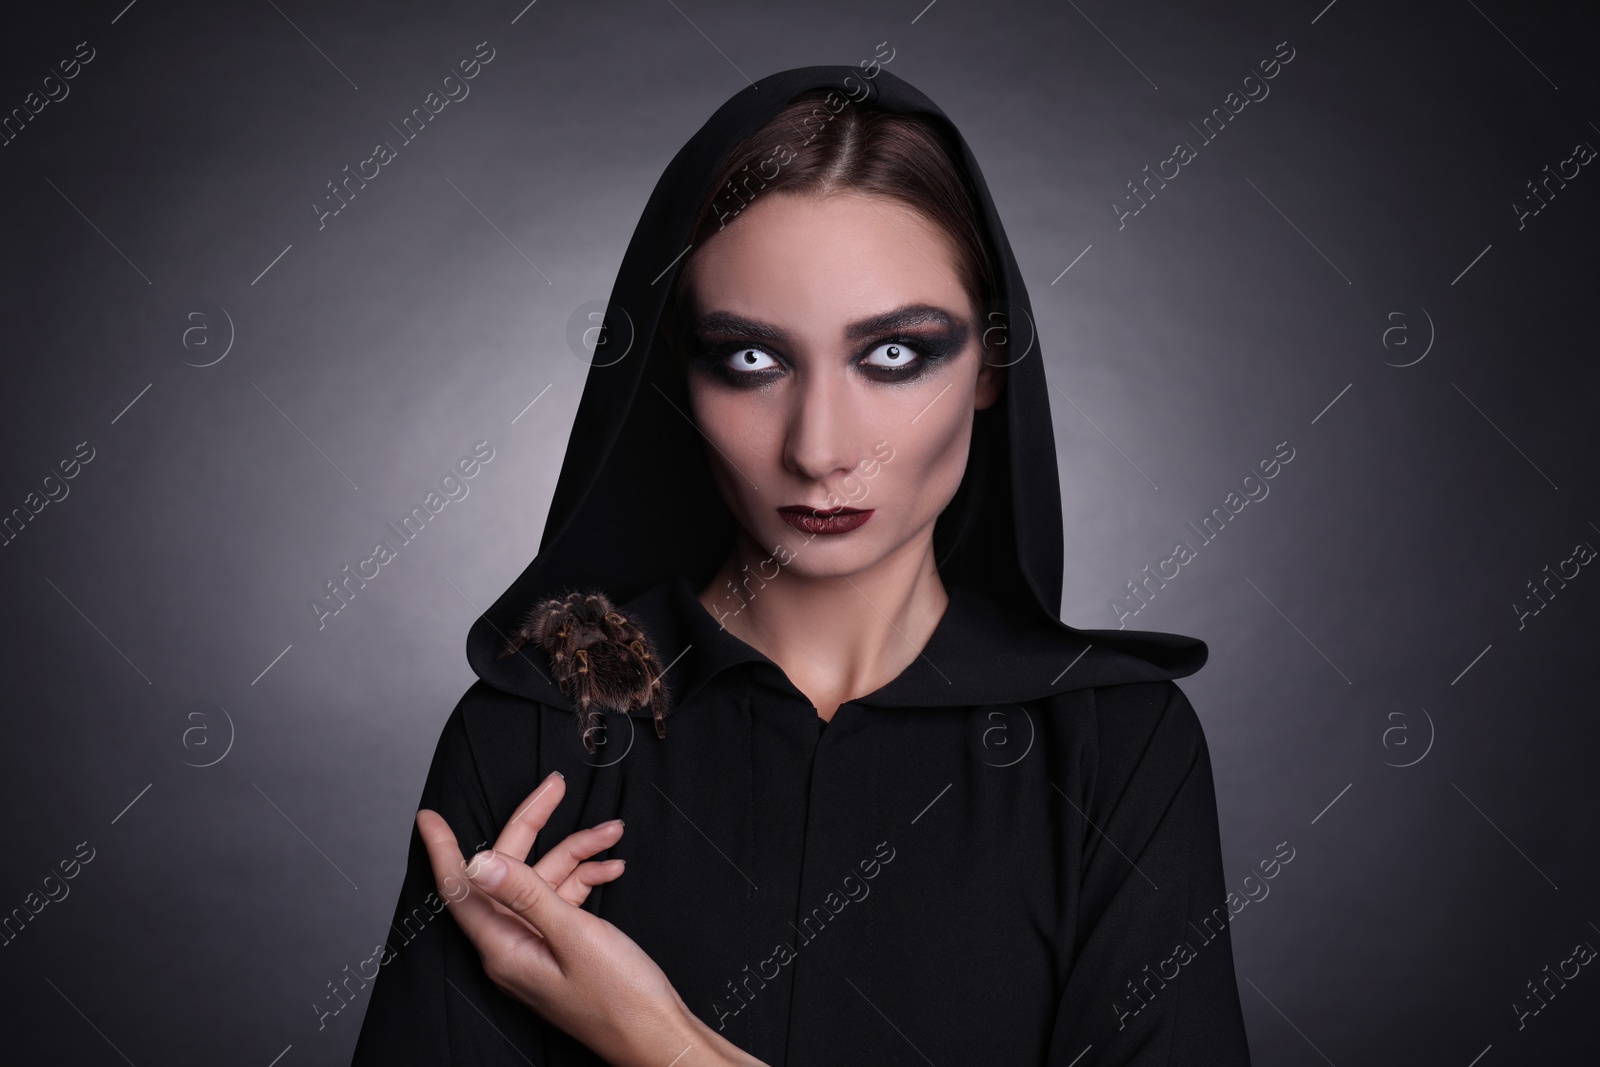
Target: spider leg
{"points": [[658, 695], [588, 719], [618, 628], [658, 711]]}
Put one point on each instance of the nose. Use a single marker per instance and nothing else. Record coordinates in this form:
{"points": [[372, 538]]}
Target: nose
{"points": [[823, 442]]}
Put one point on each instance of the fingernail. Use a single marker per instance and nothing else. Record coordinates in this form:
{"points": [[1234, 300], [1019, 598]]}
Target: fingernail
{"points": [[486, 869], [619, 822]]}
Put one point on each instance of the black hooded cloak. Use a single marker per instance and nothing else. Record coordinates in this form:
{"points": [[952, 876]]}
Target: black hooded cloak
{"points": [[1008, 854]]}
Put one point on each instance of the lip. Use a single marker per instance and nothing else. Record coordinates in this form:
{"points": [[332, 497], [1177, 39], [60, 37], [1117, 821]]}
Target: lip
{"points": [[835, 520]]}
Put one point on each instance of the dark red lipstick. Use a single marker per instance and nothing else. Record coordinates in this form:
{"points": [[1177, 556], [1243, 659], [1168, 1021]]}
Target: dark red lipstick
{"points": [[824, 520]]}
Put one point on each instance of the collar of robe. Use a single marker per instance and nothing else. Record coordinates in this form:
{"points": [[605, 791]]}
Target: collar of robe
{"points": [[980, 653]]}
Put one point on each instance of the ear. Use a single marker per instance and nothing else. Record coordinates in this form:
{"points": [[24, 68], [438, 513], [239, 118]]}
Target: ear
{"points": [[991, 383]]}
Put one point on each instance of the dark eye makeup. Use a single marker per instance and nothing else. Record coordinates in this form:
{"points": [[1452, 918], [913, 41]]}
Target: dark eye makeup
{"points": [[720, 358]]}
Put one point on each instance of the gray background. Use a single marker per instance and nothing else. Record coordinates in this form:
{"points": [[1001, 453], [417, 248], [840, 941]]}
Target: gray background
{"points": [[1360, 617]]}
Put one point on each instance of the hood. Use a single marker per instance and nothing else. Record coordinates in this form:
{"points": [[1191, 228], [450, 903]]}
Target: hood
{"points": [[633, 454]]}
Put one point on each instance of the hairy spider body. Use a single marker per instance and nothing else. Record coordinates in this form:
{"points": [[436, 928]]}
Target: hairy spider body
{"points": [[603, 659]]}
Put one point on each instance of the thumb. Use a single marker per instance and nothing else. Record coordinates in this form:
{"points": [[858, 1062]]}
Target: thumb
{"points": [[521, 889]]}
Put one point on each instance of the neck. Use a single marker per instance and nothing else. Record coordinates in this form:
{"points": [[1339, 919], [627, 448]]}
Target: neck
{"points": [[836, 637]]}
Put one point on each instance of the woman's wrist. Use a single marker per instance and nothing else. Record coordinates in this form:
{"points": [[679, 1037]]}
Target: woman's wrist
{"points": [[704, 1047], [679, 1039]]}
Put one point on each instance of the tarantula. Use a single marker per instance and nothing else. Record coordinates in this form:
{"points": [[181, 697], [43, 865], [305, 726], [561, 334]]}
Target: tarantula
{"points": [[603, 659]]}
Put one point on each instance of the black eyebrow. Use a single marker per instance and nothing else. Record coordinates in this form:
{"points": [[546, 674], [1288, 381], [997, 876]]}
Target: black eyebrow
{"points": [[908, 317]]}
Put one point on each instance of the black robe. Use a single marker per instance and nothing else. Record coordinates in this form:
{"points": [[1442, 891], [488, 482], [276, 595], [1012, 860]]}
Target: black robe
{"points": [[1008, 854]]}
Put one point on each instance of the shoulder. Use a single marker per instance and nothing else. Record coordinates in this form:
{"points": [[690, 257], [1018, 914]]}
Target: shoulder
{"points": [[1151, 748], [1136, 730], [488, 724], [1027, 655], [1145, 705], [1130, 711]]}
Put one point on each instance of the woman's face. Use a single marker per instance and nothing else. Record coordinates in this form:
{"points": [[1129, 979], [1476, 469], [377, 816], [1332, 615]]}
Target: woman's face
{"points": [[834, 361]]}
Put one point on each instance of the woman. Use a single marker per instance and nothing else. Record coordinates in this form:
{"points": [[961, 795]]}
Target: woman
{"points": [[881, 805]]}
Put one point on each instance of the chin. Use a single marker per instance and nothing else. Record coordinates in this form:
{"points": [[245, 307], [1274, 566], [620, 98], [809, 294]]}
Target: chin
{"points": [[840, 566], [826, 555]]}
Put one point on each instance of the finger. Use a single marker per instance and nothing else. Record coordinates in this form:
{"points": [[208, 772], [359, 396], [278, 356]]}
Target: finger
{"points": [[575, 889], [554, 866], [520, 889], [491, 929], [517, 835]]}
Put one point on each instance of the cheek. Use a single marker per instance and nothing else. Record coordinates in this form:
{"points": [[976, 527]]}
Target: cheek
{"points": [[944, 451], [737, 437], [929, 459]]}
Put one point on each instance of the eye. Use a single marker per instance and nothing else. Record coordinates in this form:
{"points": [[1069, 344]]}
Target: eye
{"points": [[750, 360], [892, 355]]}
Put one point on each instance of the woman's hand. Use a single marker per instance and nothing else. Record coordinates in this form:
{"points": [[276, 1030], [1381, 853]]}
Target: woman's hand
{"points": [[573, 968]]}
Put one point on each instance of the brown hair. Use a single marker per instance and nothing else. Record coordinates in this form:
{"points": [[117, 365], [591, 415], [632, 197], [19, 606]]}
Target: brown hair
{"points": [[811, 147]]}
